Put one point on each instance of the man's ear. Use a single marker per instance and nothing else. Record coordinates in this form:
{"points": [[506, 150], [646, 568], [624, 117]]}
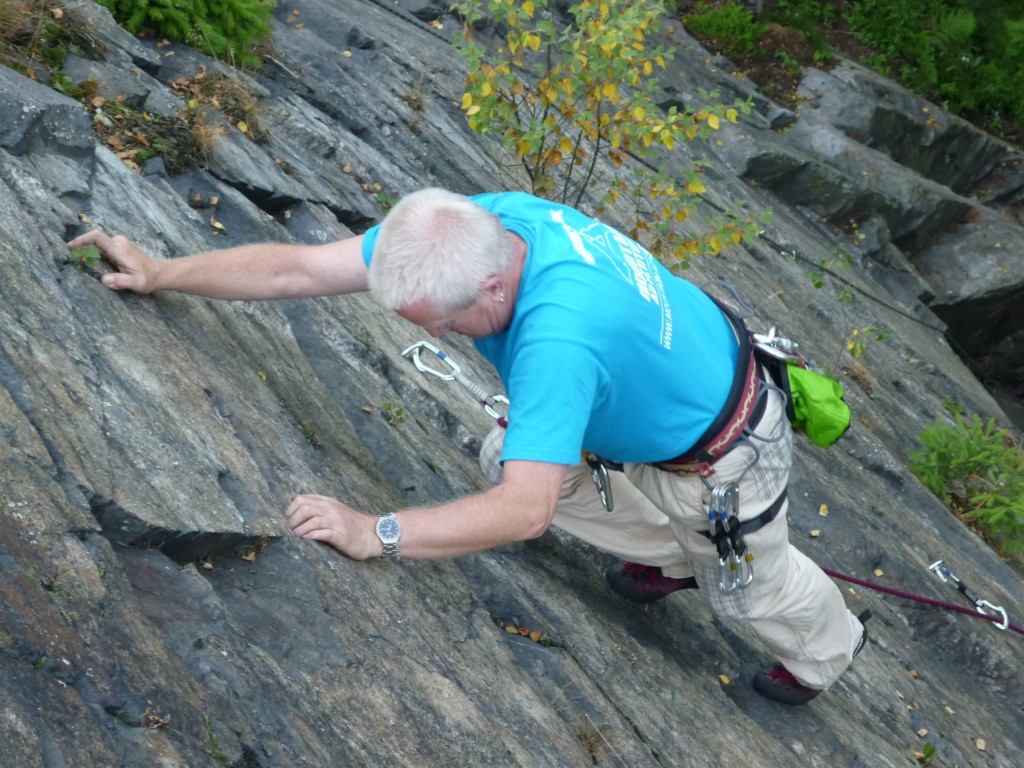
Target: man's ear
{"points": [[494, 287]]}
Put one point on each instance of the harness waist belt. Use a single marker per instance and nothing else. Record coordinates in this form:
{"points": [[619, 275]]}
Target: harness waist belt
{"points": [[741, 406]]}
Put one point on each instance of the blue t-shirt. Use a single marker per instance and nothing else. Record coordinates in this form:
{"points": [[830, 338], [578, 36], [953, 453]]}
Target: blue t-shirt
{"points": [[607, 350]]}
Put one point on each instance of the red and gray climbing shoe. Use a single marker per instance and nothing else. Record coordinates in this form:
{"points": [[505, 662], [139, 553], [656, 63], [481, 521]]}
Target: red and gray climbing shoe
{"points": [[644, 583], [778, 683]]}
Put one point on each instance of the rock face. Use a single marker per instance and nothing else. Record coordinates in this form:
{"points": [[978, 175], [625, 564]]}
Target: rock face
{"points": [[154, 611]]}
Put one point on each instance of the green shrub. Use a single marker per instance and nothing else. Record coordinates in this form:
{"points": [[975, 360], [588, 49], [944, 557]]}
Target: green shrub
{"points": [[732, 26], [224, 29], [965, 55], [979, 469]]}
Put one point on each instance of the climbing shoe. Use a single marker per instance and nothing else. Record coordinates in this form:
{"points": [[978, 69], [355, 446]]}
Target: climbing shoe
{"points": [[644, 583], [778, 683]]}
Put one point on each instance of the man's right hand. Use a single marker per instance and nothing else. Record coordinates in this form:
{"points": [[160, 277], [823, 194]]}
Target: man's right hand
{"points": [[136, 269]]}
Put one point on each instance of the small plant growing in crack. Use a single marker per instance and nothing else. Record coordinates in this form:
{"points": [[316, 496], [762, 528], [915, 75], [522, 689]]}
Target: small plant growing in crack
{"points": [[395, 413], [309, 434], [84, 257]]}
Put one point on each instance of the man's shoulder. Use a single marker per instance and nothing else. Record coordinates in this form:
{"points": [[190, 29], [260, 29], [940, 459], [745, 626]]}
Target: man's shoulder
{"points": [[499, 202]]}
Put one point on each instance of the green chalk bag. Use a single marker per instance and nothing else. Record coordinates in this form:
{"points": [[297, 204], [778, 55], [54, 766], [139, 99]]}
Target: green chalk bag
{"points": [[815, 405]]}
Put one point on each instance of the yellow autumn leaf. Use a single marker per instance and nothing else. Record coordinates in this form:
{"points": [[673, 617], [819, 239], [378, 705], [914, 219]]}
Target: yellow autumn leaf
{"points": [[648, 68], [485, 89], [713, 121], [243, 126], [823, 510], [879, 572], [467, 99], [536, 635], [815, 533], [639, 114], [473, 110], [528, 8], [534, 42], [696, 188], [725, 679], [668, 139], [610, 91], [732, 115], [565, 144]]}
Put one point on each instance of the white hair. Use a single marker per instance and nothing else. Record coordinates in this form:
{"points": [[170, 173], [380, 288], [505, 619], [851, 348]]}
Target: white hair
{"points": [[439, 247]]}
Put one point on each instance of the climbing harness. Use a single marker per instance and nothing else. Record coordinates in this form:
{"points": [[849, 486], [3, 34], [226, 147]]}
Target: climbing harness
{"points": [[454, 373], [983, 606], [735, 562]]}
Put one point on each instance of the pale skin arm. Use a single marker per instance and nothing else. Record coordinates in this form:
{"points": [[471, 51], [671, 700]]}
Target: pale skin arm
{"points": [[520, 508], [247, 272]]}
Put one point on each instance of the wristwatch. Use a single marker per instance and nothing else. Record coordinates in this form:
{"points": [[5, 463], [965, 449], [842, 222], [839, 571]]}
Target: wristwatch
{"points": [[388, 531]]}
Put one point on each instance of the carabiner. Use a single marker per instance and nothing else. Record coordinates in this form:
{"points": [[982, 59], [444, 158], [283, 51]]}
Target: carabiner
{"points": [[414, 353], [599, 474]]}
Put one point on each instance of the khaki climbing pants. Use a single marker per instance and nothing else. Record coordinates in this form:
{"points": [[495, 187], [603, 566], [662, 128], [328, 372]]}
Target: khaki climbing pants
{"points": [[658, 516]]}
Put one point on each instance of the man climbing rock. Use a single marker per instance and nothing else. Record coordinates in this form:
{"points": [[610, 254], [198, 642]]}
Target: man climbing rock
{"points": [[601, 349]]}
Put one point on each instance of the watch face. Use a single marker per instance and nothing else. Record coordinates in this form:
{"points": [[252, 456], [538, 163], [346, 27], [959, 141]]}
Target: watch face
{"points": [[388, 529]]}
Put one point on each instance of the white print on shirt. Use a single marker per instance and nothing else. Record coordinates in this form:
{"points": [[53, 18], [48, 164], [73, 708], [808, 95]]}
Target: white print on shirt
{"points": [[638, 262], [574, 237]]}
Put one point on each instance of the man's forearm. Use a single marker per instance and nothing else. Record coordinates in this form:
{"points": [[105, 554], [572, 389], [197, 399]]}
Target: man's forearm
{"points": [[469, 525], [514, 511], [266, 271]]}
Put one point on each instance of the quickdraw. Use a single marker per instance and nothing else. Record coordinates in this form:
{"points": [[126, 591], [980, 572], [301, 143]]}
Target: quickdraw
{"points": [[454, 373], [983, 606], [735, 562]]}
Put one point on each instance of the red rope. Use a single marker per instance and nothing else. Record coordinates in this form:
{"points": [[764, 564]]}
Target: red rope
{"points": [[918, 598]]}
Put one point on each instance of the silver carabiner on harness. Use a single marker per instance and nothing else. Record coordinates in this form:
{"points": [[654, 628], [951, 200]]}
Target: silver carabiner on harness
{"points": [[454, 374], [983, 606], [603, 483], [776, 346], [735, 562]]}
